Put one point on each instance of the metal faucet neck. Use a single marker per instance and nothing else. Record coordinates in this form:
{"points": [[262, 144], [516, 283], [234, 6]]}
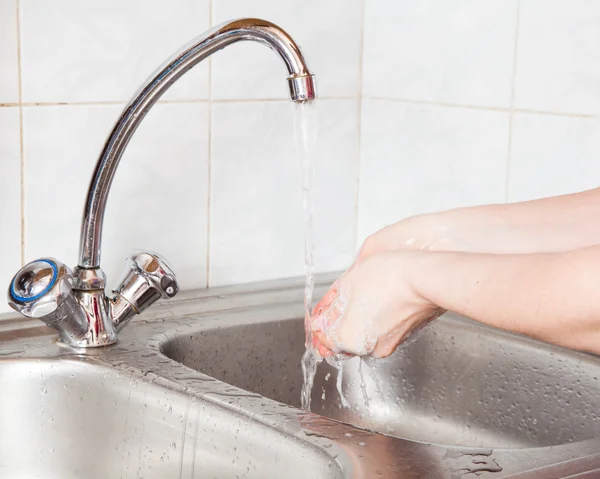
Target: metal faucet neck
{"points": [[301, 88], [75, 303]]}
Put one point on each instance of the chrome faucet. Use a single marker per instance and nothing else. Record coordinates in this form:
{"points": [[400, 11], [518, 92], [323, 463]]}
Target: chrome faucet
{"points": [[74, 302]]}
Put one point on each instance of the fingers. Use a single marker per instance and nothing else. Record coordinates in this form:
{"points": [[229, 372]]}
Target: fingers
{"points": [[321, 327], [327, 313], [323, 340], [317, 318], [383, 350], [323, 351], [326, 300]]}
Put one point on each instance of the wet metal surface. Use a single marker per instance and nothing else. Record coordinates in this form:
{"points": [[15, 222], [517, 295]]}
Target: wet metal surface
{"points": [[457, 384], [209, 386]]}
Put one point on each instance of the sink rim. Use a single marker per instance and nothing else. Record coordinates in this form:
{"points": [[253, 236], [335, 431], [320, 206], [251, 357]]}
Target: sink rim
{"points": [[210, 306]]}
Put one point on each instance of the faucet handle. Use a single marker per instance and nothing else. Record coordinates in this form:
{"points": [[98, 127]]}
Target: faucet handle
{"points": [[43, 289], [147, 278]]}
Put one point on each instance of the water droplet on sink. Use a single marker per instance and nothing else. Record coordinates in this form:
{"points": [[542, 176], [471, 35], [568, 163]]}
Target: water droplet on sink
{"points": [[44, 391], [315, 434], [362, 443]]}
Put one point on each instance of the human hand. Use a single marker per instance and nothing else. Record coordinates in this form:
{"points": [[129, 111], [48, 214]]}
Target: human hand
{"points": [[429, 232], [372, 308]]}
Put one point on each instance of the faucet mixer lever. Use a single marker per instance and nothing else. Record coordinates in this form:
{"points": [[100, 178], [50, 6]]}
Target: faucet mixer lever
{"points": [[146, 279]]}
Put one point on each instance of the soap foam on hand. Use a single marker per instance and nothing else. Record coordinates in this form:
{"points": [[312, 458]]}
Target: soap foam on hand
{"points": [[362, 339], [328, 322]]}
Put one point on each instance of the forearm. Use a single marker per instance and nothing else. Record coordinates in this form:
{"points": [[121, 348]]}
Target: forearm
{"points": [[560, 223], [552, 297]]}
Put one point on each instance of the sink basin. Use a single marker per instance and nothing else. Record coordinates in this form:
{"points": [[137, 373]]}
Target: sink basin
{"points": [[72, 419], [208, 386], [459, 383]]}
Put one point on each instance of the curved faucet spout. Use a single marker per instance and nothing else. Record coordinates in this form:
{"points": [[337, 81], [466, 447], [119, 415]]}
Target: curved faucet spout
{"points": [[301, 88], [75, 302]]}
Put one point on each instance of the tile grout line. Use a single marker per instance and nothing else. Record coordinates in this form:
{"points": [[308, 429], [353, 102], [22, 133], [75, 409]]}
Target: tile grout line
{"points": [[359, 99], [84, 103], [512, 109], [209, 152], [552, 113], [167, 102], [327, 98], [321, 98], [274, 100], [208, 192], [481, 108], [21, 140]]}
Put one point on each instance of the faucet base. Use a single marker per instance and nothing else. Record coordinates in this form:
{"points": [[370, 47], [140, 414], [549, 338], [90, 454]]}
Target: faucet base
{"points": [[88, 291], [101, 331]]}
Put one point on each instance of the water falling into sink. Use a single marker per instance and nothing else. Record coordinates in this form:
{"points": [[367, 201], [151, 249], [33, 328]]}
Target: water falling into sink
{"points": [[305, 133]]}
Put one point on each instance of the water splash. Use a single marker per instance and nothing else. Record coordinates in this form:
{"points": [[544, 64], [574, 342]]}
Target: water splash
{"points": [[305, 132], [338, 384], [337, 361], [370, 362], [363, 385]]}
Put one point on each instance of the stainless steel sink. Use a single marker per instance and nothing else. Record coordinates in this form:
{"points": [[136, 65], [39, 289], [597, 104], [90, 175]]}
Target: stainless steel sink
{"points": [[209, 387], [70, 417], [459, 383]]}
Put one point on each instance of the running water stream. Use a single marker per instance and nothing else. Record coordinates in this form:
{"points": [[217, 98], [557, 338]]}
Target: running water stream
{"points": [[305, 132]]}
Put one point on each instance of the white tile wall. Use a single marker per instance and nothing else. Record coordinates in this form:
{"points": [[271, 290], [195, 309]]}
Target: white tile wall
{"points": [[330, 39], [256, 207], [10, 199], [9, 81], [558, 62], [434, 50], [61, 144], [102, 51], [222, 126], [434, 158], [159, 195], [553, 155]]}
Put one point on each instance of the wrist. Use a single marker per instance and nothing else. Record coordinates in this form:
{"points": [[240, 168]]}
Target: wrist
{"points": [[441, 230], [419, 267]]}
